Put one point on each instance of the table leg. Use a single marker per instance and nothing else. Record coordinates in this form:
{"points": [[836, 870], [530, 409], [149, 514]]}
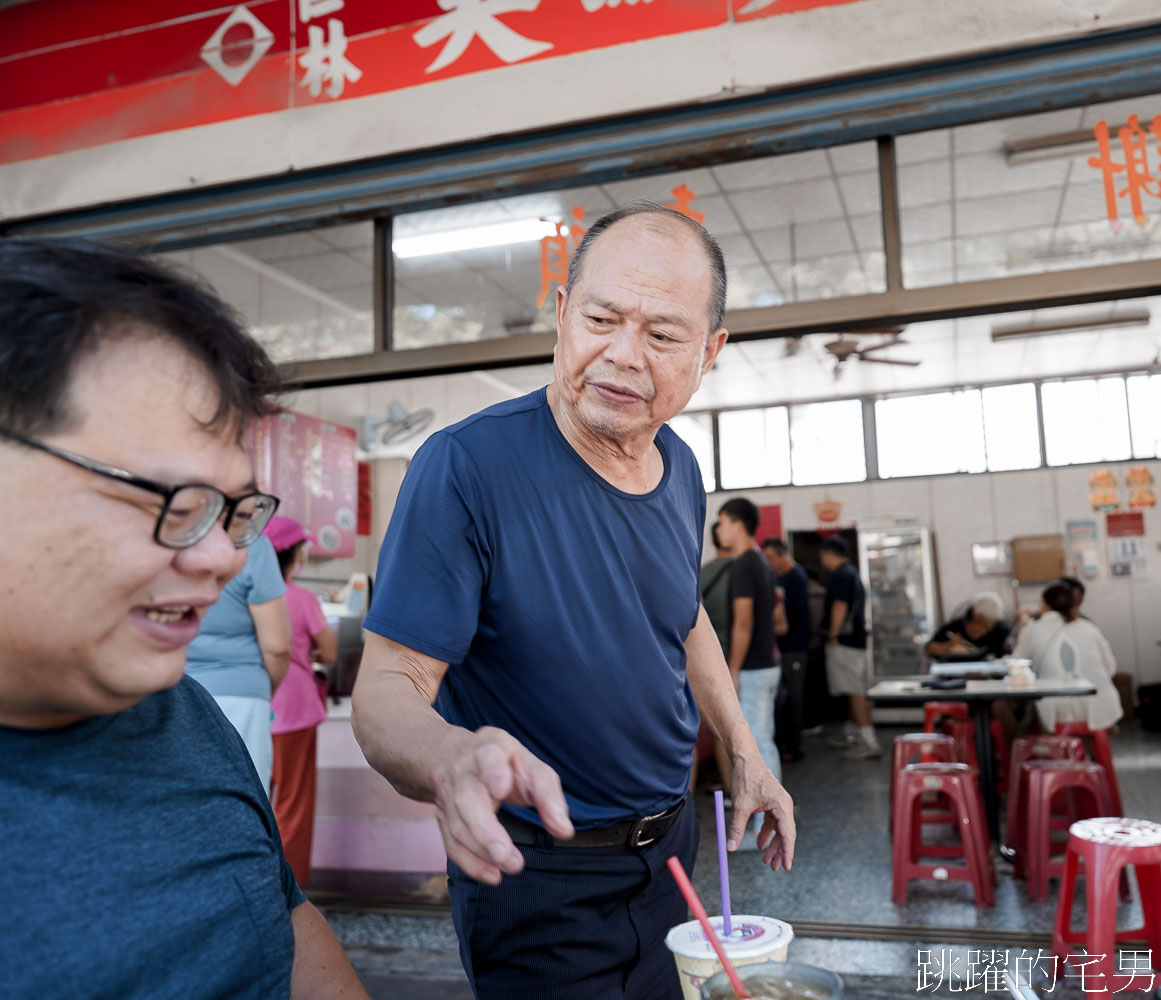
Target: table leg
{"points": [[982, 718]]}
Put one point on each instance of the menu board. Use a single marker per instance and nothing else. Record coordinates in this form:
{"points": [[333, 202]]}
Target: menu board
{"points": [[309, 464]]}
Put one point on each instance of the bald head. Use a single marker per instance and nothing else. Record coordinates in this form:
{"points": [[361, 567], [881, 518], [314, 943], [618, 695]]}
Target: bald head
{"points": [[669, 225]]}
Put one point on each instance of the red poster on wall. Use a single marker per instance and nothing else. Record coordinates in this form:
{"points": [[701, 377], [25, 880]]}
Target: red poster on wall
{"points": [[309, 464], [769, 522], [365, 502], [1126, 525]]}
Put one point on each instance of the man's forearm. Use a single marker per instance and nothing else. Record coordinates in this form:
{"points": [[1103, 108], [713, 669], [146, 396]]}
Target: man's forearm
{"points": [[740, 636], [838, 615], [401, 735]]}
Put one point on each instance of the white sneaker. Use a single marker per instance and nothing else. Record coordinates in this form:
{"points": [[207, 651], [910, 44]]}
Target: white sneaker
{"points": [[860, 750], [844, 741]]}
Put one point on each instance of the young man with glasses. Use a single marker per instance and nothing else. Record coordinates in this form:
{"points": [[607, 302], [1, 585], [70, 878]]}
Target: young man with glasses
{"points": [[141, 855]]}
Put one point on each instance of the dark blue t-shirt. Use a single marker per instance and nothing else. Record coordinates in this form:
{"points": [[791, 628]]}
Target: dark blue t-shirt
{"points": [[797, 637], [560, 603], [141, 859], [846, 586]]}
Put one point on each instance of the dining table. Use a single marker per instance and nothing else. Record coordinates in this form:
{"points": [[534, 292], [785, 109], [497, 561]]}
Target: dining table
{"points": [[979, 694]]}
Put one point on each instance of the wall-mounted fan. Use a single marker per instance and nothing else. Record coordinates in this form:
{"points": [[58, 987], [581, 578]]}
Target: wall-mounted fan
{"points": [[398, 425]]}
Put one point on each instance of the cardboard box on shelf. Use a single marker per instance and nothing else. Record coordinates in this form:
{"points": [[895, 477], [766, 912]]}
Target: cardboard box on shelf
{"points": [[1038, 558]]}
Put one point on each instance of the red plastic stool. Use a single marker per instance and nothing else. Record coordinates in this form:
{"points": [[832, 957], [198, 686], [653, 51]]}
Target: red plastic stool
{"points": [[1026, 748], [1046, 779], [1107, 845], [1097, 743], [958, 783], [933, 711], [925, 748]]}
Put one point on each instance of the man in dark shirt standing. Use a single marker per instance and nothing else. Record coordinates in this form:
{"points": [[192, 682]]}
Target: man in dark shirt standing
{"points": [[753, 653], [848, 669], [794, 645]]}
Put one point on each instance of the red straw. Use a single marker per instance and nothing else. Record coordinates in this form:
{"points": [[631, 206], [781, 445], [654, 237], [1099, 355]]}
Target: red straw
{"points": [[686, 888]]}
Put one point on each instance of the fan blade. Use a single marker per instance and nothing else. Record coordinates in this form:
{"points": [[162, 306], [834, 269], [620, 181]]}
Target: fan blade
{"points": [[883, 346], [890, 361]]}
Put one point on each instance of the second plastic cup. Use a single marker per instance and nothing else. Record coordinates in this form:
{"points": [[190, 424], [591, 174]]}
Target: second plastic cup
{"points": [[754, 939]]}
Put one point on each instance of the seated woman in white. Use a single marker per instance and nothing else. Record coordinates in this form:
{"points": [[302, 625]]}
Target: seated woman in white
{"points": [[1063, 646]]}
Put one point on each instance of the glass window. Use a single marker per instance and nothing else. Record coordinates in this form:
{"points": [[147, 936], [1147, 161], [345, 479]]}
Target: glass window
{"points": [[1145, 415], [927, 435], [755, 447], [1011, 430], [1019, 196], [1086, 420], [826, 443], [304, 295], [697, 431], [793, 228]]}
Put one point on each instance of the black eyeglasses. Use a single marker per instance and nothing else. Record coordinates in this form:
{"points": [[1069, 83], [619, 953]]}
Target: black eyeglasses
{"points": [[190, 511]]}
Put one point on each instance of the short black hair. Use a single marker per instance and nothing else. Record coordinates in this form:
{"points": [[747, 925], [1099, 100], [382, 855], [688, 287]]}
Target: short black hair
{"points": [[743, 510], [777, 545], [1074, 582], [286, 558], [836, 546], [714, 535], [717, 260], [1058, 596], [63, 298]]}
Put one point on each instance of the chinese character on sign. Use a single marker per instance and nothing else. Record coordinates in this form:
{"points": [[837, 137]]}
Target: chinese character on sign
{"points": [[308, 10], [325, 61], [684, 196], [1134, 142], [466, 20], [555, 254]]}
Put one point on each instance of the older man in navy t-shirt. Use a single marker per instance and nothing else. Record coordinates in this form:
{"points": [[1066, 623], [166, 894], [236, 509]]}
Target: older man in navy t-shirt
{"points": [[539, 585]]}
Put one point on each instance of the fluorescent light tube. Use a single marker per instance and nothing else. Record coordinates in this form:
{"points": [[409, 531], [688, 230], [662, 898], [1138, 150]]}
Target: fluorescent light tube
{"points": [[1136, 318], [497, 234]]}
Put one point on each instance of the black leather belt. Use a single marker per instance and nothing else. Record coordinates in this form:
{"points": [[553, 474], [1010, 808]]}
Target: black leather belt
{"points": [[628, 833]]}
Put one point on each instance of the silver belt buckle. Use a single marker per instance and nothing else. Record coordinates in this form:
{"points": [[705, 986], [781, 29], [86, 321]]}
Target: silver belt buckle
{"points": [[635, 833]]}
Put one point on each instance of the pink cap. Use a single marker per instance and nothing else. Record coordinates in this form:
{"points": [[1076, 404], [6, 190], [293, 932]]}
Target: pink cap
{"points": [[285, 533]]}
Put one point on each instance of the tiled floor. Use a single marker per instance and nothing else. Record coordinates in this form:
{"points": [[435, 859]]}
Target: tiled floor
{"points": [[841, 875]]}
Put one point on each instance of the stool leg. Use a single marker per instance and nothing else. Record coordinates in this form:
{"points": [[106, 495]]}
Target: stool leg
{"points": [[1033, 837], [1062, 932], [1149, 884], [900, 850], [1101, 938]]}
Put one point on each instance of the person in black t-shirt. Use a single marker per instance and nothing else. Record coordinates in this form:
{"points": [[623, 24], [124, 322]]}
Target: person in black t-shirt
{"points": [[848, 669], [753, 652], [980, 632], [794, 646]]}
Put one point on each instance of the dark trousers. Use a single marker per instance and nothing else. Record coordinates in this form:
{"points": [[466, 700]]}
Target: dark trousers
{"points": [[789, 722], [576, 924]]}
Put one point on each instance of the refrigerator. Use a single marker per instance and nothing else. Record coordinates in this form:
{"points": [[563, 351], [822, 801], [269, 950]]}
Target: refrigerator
{"points": [[897, 565]]}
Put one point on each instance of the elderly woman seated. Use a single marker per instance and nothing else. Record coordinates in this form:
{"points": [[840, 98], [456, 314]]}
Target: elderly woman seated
{"points": [[1064, 646], [980, 632]]}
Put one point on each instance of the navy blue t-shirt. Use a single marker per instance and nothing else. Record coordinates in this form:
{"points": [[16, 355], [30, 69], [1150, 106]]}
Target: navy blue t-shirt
{"points": [[846, 586], [797, 637], [560, 603], [141, 859]]}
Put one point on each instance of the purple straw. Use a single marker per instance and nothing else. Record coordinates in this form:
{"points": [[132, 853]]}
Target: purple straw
{"points": [[723, 867]]}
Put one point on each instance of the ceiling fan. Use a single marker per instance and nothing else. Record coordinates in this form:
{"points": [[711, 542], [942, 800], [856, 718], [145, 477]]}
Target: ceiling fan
{"points": [[847, 347]]}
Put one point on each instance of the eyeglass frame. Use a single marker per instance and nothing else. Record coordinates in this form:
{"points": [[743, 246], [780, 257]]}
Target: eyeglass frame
{"points": [[229, 504]]}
